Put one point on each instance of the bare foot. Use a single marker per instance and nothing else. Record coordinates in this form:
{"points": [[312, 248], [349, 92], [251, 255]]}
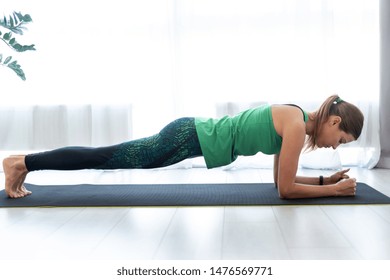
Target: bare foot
{"points": [[15, 173]]}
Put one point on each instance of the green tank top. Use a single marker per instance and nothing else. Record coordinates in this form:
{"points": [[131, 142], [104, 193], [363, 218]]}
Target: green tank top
{"points": [[252, 131]]}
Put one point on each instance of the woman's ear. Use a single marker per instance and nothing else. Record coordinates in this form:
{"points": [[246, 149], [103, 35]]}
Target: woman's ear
{"points": [[335, 120]]}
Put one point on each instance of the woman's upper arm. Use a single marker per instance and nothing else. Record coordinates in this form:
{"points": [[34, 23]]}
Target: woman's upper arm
{"points": [[276, 169], [293, 140]]}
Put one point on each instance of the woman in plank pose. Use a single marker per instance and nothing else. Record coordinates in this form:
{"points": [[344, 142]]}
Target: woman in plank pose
{"points": [[282, 130]]}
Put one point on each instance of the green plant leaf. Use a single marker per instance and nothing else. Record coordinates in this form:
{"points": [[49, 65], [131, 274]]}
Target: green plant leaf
{"points": [[17, 69], [16, 19], [19, 48], [7, 36], [19, 15], [12, 43], [14, 66], [30, 48], [16, 22], [8, 59], [27, 18]]}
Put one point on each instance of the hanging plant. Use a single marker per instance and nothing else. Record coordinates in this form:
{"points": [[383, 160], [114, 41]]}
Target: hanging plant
{"points": [[14, 25]]}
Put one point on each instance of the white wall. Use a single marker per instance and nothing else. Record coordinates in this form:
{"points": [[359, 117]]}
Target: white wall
{"points": [[385, 84]]}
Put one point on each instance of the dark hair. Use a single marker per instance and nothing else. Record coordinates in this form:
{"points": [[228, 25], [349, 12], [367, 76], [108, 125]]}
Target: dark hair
{"points": [[352, 118]]}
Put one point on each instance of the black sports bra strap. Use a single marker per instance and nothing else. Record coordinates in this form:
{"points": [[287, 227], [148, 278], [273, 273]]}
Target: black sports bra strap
{"points": [[303, 112]]}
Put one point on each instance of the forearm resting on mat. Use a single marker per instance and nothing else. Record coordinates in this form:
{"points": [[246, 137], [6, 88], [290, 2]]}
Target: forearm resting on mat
{"points": [[311, 180]]}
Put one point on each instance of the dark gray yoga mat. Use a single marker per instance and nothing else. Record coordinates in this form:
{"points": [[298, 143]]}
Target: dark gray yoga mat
{"points": [[176, 195]]}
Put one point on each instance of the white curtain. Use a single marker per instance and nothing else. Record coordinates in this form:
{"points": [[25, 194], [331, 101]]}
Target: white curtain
{"points": [[171, 58], [41, 127]]}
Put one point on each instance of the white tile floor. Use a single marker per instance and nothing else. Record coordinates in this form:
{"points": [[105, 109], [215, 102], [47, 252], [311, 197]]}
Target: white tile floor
{"points": [[193, 233]]}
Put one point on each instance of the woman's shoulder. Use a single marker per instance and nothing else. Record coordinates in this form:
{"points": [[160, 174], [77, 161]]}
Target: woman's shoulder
{"points": [[287, 116], [286, 108], [289, 112]]}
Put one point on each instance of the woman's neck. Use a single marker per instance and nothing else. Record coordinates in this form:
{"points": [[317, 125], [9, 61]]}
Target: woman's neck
{"points": [[310, 124]]}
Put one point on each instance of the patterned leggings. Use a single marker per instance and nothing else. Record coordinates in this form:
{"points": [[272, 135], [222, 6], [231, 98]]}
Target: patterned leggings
{"points": [[174, 143]]}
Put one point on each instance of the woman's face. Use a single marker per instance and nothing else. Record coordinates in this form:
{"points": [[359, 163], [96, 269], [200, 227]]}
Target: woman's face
{"points": [[330, 135]]}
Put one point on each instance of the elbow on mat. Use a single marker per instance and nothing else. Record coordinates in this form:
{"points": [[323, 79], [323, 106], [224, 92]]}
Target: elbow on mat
{"points": [[285, 193]]}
